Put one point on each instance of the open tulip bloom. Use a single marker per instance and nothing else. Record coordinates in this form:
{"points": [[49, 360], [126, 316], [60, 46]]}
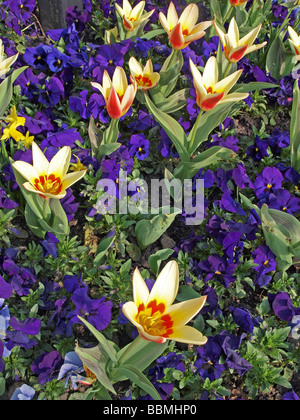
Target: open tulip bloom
{"points": [[183, 30], [234, 47], [133, 17], [48, 179], [211, 92], [294, 41], [144, 76], [155, 316], [117, 93]]}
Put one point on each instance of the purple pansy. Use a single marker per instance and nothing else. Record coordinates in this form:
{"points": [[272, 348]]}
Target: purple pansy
{"points": [[47, 366]]}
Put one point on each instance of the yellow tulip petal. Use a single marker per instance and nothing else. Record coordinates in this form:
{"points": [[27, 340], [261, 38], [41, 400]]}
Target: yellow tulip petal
{"points": [[188, 335], [71, 178], [250, 37], [233, 32], [40, 162], [26, 170], [226, 84], [189, 17], [137, 10], [164, 22], [135, 67], [130, 310], [166, 286], [119, 81], [60, 162], [172, 16], [32, 189], [210, 73], [181, 313], [140, 289]]}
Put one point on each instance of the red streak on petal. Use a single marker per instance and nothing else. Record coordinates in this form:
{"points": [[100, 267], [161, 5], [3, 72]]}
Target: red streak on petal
{"points": [[211, 101], [176, 37], [237, 55], [113, 105], [154, 307]]}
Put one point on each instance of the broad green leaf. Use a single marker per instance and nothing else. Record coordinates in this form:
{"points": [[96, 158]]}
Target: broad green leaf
{"points": [[103, 248], [108, 348], [140, 353], [205, 124], [149, 230], [172, 128], [91, 358], [156, 259], [276, 60], [138, 378], [295, 129], [249, 87], [6, 89], [186, 170]]}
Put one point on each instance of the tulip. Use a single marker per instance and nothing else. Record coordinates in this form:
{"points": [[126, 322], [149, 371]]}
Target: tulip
{"points": [[153, 314], [294, 41], [237, 2], [234, 47], [211, 92], [48, 179], [117, 93], [133, 17], [183, 30], [5, 64], [144, 77]]}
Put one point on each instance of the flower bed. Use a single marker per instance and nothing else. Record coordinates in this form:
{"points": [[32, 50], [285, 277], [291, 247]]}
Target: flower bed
{"points": [[149, 201]]}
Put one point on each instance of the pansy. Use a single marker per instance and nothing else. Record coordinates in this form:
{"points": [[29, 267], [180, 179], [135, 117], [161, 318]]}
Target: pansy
{"points": [[139, 146], [154, 314], [117, 93], [234, 47], [282, 200], [183, 30], [133, 17], [23, 393], [47, 366], [48, 179], [145, 77], [210, 91], [22, 8], [36, 57], [267, 182]]}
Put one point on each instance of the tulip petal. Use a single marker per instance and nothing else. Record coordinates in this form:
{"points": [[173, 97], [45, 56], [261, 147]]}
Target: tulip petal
{"points": [[137, 10], [119, 81], [233, 33], [113, 105], [60, 162], [130, 310], [210, 101], [26, 170], [176, 37], [181, 313], [164, 22], [250, 37], [40, 162], [189, 335], [172, 16], [135, 67], [226, 84], [71, 178], [32, 189], [140, 289], [210, 73], [235, 97], [166, 286], [189, 17], [128, 97]]}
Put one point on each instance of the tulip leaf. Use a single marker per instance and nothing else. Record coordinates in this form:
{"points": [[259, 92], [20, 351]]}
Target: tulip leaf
{"points": [[137, 377], [91, 358], [204, 125], [172, 128], [295, 129], [6, 89], [102, 249], [186, 170], [105, 344]]}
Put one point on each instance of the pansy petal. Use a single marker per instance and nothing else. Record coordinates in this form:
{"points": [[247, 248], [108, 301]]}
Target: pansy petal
{"points": [[166, 286]]}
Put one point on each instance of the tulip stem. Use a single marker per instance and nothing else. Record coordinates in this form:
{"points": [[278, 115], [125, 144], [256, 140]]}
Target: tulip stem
{"points": [[227, 14], [227, 70], [4, 151]]}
